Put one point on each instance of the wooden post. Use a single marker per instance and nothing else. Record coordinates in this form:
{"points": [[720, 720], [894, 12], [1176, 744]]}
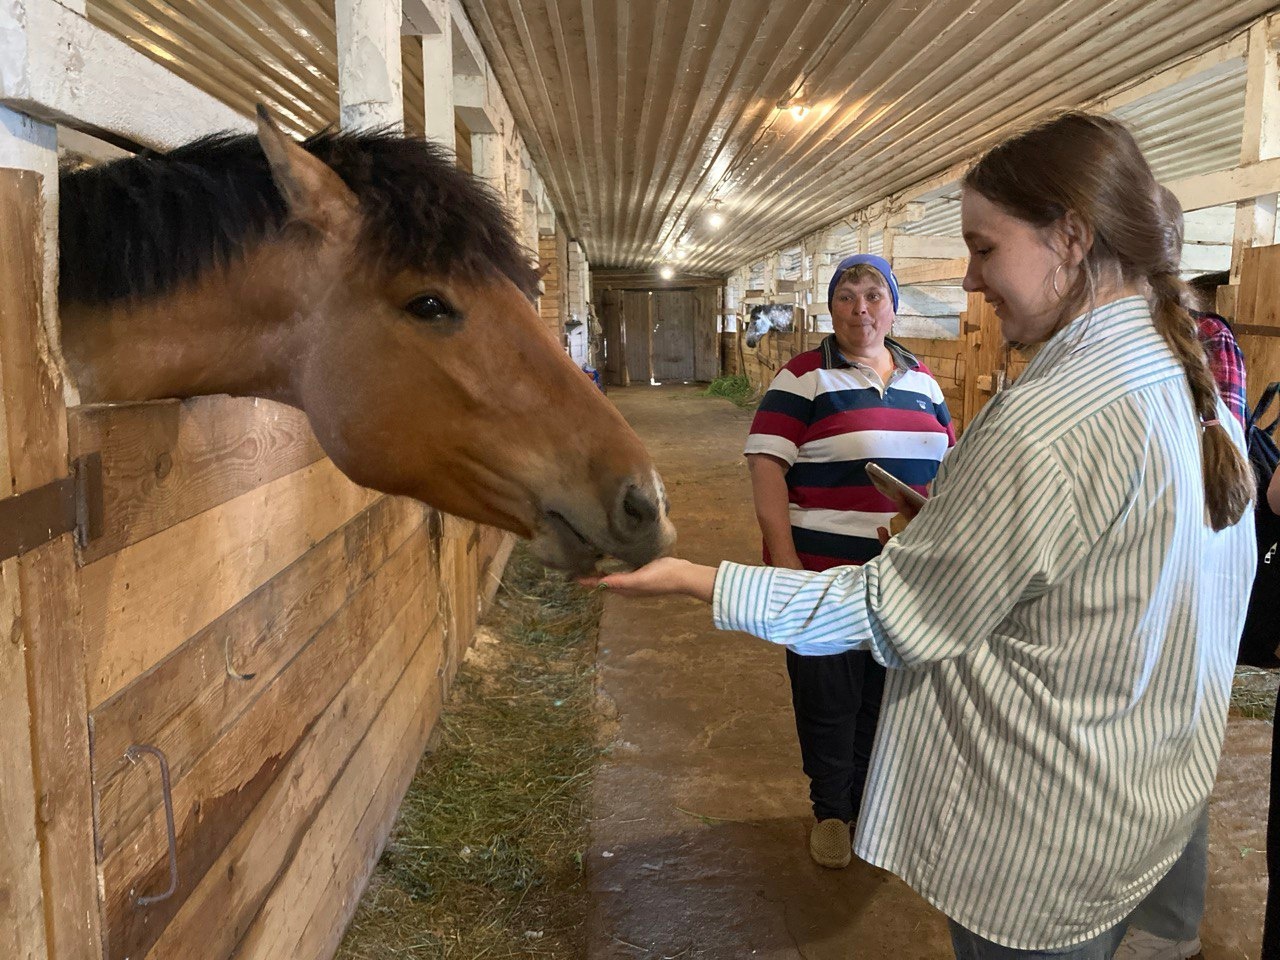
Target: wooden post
{"points": [[1256, 219], [486, 161], [370, 82], [48, 872], [437, 73]]}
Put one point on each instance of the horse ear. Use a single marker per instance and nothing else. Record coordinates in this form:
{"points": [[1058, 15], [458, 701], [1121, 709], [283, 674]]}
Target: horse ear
{"points": [[543, 269], [312, 191]]}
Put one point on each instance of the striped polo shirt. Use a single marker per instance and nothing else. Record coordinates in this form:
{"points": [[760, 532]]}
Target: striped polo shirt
{"points": [[827, 418], [1062, 622]]}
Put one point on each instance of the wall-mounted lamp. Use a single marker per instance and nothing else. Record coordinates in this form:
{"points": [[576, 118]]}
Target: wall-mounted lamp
{"points": [[666, 273]]}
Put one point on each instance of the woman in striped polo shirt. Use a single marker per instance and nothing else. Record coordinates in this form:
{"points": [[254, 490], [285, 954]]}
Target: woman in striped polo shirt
{"points": [[1061, 619], [859, 397]]}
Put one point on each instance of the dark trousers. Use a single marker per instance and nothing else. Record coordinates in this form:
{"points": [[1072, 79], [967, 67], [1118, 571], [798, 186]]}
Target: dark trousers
{"points": [[1271, 921], [837, 705]]}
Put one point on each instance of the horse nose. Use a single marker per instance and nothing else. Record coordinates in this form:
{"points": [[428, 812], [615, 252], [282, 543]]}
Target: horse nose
{"points": [[638, 510]]}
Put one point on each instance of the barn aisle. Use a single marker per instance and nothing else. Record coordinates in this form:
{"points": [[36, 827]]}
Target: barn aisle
{"points": [[699, 810]]}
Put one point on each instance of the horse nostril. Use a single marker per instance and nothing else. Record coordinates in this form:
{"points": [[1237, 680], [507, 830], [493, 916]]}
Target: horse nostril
{"points": [[639, 508]]}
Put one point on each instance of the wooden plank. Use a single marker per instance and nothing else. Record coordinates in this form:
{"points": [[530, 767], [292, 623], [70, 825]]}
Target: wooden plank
{"points": [[313, 902], [986, 360], [222, 791], [139, 605], [165, 462], [1227, 186], [913, 246], [1258, 305], [22, 932], [48, 638], [1217, 60], [190, 699], [128, 798], [222, 907], [63, 69], [952, 269]]}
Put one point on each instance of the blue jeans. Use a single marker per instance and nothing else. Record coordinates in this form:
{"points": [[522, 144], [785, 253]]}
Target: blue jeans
{"points": [[970, 946], [1172, 910]]}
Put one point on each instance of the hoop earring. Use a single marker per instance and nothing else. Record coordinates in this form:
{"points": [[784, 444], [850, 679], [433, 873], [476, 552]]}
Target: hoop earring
{"points": [[1058, 270]]}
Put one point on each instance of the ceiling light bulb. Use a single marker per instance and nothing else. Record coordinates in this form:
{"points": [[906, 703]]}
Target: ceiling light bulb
{"points": [[715, 220], [799, 111], [666, 273]]}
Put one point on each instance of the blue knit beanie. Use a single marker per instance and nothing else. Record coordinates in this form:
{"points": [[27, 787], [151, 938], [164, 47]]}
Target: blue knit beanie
{"points": [[871, 260]]}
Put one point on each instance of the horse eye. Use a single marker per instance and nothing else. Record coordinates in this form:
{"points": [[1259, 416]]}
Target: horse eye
{"points": [[430, 307]]}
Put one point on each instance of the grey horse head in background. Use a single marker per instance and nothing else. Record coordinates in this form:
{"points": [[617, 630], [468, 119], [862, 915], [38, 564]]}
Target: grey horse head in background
{"points": [[766, 317]]}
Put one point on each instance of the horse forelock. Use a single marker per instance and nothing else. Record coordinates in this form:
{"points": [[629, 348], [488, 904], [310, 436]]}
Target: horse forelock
{"points": [[144, 225]]}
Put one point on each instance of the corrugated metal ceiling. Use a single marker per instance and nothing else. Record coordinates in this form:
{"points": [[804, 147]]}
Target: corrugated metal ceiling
{"points": [[640, 115]]}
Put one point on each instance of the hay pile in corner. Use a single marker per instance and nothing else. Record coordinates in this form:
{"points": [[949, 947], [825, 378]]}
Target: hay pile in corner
{"points": [[485, 859]]}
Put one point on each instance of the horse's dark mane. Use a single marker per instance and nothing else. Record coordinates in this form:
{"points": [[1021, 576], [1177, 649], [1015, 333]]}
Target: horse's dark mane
{"points": [[143, 225]]}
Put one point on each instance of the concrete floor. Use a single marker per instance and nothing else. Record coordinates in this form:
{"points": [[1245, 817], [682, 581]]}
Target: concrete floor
{"points": [[700, 811]]}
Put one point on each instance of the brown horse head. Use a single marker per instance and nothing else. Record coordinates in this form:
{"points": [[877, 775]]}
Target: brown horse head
{"points": [[366, 280]]}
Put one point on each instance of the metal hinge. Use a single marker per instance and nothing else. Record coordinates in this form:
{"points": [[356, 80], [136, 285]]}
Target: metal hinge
{"points": [[72, 504]]}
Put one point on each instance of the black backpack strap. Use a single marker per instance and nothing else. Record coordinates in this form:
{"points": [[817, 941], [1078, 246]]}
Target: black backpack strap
{"points": [[1264, 404]]}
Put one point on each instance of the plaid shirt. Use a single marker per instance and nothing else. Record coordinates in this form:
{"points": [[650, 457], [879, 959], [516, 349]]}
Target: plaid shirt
{"points": [[1226, 361]]}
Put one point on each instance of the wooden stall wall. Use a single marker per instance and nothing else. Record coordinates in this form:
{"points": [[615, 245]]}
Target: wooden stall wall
{"points": [[286, 639], [283, 638], [551, 303], [1257, 318], [948, 360]]}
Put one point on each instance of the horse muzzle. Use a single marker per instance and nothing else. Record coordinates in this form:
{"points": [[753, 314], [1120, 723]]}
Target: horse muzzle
{"points": [[632, 526]]}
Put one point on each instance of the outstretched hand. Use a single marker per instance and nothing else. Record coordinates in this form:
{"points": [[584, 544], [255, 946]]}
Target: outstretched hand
{"points": [[662, 577]]}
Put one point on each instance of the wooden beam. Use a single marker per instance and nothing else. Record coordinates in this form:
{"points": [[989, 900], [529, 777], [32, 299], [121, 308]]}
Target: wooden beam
{"points": [[1256, 217], [1228, 186], [468, 55], [911, 246], [61, 68], [952, 269], [1217, 60], [437, 76]]}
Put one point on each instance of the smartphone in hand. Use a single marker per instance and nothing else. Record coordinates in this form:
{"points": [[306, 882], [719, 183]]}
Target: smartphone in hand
{"points": [[892, 487]]}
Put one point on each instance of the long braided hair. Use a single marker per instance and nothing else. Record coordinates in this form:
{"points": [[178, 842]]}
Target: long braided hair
{"points": [[1091, 166]]}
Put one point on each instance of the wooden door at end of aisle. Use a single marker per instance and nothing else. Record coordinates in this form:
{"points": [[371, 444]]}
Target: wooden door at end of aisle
{"points": [[637, 334], [673, 335]]}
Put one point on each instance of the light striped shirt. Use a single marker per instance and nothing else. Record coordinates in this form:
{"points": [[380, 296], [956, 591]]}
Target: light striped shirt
{"points": [[1065, 623]]}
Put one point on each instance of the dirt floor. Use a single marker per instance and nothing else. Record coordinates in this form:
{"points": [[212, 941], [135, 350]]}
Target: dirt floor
{"points": [[700, 810]]}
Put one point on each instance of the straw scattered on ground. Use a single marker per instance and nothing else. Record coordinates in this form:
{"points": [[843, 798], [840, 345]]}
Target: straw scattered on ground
{"points": [[486, 857]]}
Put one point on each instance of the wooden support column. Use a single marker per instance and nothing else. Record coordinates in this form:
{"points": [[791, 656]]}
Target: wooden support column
{"points": [[48, 875], [487, 162], [433, 21], [29, 144], [370, 82], [772, 268], [1256, 218]]}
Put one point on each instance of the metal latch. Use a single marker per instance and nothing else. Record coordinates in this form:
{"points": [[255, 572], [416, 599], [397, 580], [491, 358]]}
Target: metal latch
{"points": [[73, 503]]}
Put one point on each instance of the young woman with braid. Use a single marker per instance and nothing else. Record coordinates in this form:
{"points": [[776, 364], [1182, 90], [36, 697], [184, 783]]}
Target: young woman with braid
{"points": [[1060, 620]]}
